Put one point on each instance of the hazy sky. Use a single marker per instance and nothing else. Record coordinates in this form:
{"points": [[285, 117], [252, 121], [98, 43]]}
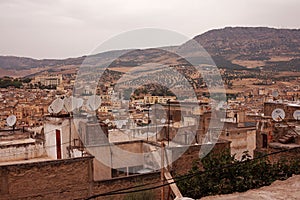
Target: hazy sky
{"points": [[69, 28]]}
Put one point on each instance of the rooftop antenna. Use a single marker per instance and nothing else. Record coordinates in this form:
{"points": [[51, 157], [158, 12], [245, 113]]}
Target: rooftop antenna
{"points": [[56, 106], [93, 102], [278, 114], [11, 121]]}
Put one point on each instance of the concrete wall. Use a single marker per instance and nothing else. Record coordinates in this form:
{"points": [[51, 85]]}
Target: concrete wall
{"points": [[50, 137], [63, 125], [116, 156], [242, 139], [21, 152]]}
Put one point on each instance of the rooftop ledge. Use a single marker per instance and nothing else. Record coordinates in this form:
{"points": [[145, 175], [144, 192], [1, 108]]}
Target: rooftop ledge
{"points": [[277, 145]]}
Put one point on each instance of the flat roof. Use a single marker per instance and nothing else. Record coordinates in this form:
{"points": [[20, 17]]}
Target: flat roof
{"points": [[17, 142], [33, 160]]}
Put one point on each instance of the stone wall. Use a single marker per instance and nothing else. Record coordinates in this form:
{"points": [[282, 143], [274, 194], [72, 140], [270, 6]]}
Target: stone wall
{"points": [[183, 164], [59, 179], [290, 155], [153, 179]]}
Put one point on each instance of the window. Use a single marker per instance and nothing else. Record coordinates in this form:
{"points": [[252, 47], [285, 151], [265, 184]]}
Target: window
{"points": [[134, 170], [119, 172]]}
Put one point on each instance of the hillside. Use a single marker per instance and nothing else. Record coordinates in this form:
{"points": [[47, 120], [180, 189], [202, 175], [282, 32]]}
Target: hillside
{"points": [[234, 48], [252, 46], [259, 43]]}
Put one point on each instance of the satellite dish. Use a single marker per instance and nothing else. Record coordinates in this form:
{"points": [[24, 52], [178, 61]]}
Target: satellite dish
{"points": [[56, 106], [275, 93], [11, 120], [93, 102], [70, 104], [50, 109], [79, 102], [278, 114], [163, 120], [220, 105], [296, 115]]}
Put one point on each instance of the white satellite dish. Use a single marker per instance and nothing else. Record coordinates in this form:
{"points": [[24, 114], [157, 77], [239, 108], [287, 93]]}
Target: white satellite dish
{"points": [[275, 93], [278, 114], [70, 104], [93, 102], [79, 102], [56, 106], [296, 115], [220, 105], [50, 109], [11, 120], [163, 120]]}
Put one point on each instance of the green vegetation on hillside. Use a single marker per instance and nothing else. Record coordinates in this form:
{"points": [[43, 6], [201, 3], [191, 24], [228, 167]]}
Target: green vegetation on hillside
{"points": [[11, 82], [8, 82]]}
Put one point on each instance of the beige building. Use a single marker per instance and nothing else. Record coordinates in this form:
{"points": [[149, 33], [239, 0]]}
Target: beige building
{"points": [[49, 80]]}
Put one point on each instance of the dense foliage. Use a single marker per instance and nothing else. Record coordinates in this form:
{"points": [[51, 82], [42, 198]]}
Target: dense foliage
{"points": [[11, 82], [223, 174], [8, 82]]}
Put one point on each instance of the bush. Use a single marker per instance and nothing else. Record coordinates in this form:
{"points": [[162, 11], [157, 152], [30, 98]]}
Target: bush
{"points": [[223, 174]]}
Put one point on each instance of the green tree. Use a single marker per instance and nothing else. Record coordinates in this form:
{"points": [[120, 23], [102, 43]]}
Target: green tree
{"points": [[223, 174]]}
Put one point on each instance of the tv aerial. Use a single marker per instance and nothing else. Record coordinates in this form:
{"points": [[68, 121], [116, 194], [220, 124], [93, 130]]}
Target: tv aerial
{"points": [[278, 114], [93, 102], [56, 106], [11, 120], [296, 114]]}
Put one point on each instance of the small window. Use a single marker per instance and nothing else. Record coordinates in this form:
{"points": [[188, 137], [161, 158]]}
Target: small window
{"points": [[119, 172], [134, 169]]}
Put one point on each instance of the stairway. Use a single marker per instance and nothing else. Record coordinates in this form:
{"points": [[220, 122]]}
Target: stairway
{"points": [[288, 138]]}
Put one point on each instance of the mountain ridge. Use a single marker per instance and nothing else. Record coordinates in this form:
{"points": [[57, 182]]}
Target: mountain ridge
{"points": [[240, 46]]}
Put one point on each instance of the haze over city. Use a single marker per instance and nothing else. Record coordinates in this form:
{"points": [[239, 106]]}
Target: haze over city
{"points": [[63, 28]]}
